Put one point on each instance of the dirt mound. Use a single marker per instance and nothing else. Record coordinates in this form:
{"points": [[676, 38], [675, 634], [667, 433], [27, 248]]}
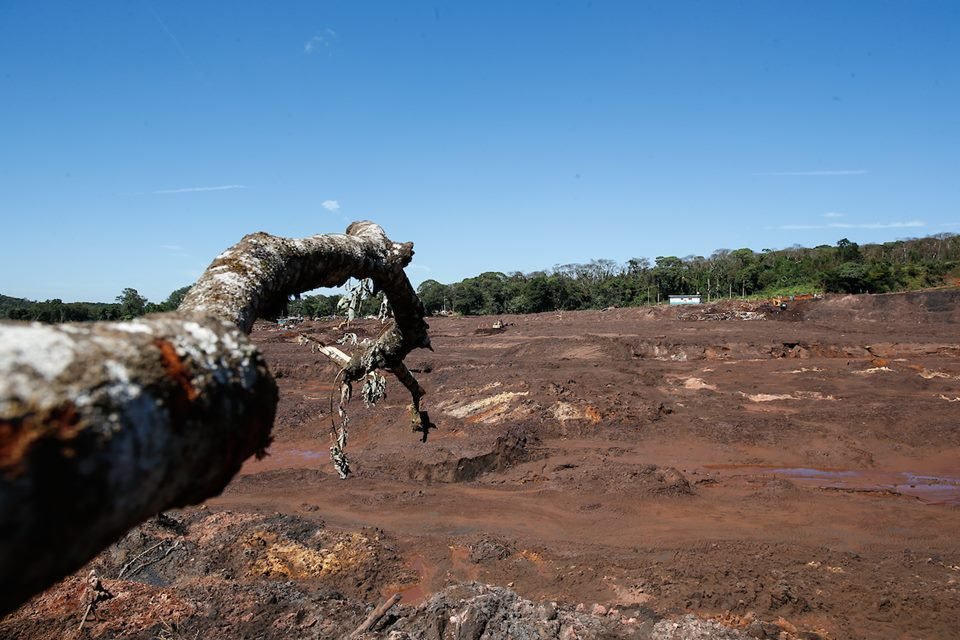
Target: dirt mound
{"points": [[624, 479], [507, 450], [934, 306], [940, 306], [490, 549]]}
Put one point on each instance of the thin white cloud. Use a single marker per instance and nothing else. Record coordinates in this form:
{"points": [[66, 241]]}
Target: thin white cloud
{"points": [[880, 225], [330, 205], [834, 214], [173, 38], [321, 40], [224, 187], [840, 172], [863, 225]]}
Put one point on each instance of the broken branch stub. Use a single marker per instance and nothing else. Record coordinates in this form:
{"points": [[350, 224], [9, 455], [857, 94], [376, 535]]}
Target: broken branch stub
{"points": [[103, 425]]}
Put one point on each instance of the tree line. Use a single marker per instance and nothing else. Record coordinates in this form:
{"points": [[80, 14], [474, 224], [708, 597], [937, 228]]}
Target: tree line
{"points": [[842, 268], [129, 304]]}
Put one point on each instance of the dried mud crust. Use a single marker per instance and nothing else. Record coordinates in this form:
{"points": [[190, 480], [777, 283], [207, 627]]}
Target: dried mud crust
{"points": [[734, 471], [220, 574]]}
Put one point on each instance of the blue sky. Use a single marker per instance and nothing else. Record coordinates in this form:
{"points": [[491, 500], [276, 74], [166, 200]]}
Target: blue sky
{"points": [[141, 138]]}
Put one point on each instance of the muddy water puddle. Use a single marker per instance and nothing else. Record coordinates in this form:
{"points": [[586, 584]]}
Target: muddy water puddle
{"points": [[930, 489], [288, 456]]}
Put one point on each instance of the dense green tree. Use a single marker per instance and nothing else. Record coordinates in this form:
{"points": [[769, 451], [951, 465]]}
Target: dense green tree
{"points": [[669, 276], [537, 296], [468, 297], [849, 277], [176, 297], [493, 285], [317, 306], [132, 304], [435, 297], [848, 251]]}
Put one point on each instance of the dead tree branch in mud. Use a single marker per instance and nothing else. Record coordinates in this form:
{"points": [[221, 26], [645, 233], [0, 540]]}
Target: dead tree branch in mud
{"points": [[95, 594], [375, 616], [103, 425]]}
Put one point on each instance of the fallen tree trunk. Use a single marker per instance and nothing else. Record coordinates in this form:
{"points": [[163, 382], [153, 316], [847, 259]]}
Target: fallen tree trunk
{"points": [[103, 425]]}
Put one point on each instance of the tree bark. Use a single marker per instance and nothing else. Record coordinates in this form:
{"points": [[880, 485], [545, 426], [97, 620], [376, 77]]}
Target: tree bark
{"points": [[103, 425]]}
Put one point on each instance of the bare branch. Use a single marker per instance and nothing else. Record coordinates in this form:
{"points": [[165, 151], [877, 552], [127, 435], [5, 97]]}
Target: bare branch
{"points": [[375, 616]]}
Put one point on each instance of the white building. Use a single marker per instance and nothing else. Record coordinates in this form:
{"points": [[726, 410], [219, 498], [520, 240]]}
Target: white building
{"points": [[694, 298]]}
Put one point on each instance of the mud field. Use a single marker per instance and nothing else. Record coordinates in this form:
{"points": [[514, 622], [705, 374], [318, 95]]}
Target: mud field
{"points": [[776, 473]]}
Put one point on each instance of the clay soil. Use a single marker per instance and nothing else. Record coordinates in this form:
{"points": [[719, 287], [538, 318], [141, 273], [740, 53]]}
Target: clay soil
{"points": [[787, 473]]}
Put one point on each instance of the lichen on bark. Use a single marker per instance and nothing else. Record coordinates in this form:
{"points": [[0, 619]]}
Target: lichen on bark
{"points": [[103, 425]]}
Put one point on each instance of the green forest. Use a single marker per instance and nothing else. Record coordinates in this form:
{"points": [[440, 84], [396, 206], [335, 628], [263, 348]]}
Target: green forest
{"points": [[842, 268]]}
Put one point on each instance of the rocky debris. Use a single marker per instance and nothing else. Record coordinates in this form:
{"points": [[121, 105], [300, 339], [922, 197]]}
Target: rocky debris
{"points": [[490, 549], [496, 328], [477, 611], [722, 315], [690, 627]]}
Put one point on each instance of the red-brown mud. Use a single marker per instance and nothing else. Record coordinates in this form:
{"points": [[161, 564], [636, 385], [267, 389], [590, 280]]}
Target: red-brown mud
{"points": [[794, 473]]}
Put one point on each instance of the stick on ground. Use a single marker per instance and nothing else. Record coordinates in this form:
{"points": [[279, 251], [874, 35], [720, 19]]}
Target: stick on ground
{"points": [[375, 616]]}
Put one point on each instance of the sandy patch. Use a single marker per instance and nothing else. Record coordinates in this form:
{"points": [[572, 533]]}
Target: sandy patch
{"points": [[697, 384], [872, 370], [564, 411], [796, 395]]}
